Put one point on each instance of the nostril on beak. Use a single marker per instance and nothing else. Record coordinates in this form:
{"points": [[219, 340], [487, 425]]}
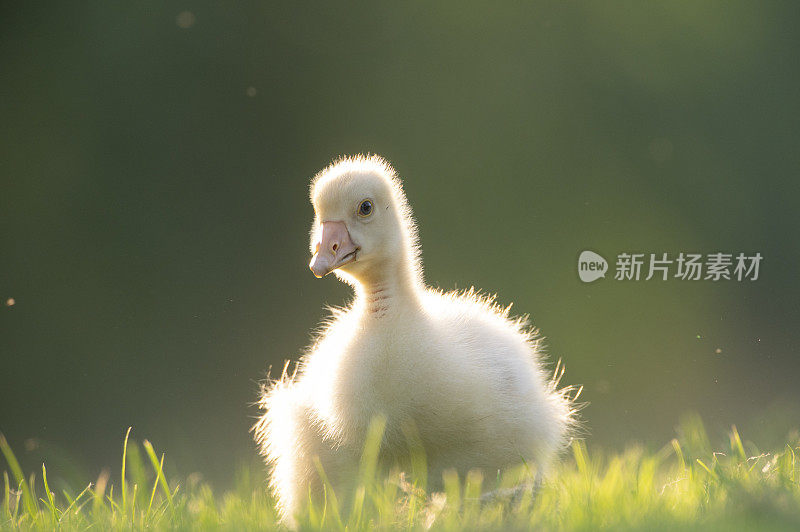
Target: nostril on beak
{"points": [[335, 247]]}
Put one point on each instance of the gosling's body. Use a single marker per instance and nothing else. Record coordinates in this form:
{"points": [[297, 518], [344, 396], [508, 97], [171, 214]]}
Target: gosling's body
{"points": [[454, 366]]}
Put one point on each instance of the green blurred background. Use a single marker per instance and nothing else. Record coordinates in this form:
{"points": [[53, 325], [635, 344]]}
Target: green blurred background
{"points": [[155, 159]]}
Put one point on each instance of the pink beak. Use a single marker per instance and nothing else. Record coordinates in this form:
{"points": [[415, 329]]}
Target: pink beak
{"points": [[334, 249]]}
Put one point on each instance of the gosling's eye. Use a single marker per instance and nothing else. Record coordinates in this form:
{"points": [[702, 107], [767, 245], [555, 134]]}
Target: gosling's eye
{"points": [[365, 209]]}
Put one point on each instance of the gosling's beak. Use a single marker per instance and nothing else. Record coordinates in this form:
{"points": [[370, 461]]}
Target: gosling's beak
{"points": [[334, 249]]}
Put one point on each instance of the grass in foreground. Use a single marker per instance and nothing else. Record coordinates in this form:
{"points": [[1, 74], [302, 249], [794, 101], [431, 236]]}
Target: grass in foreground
{"points": [[685, 485]]}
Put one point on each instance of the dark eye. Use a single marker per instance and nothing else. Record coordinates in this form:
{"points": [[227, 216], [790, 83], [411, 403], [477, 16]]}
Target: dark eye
{"points": [[365, 209]]}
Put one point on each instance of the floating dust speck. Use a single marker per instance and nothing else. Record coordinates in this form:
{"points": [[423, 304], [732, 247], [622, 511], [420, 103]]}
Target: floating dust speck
{"points": [[718, 350], [185, 19], [661, 149], [251, 92], [10, 302]]}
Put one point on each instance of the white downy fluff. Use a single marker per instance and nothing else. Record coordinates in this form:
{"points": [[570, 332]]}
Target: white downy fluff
{"points": [[454, 365]]}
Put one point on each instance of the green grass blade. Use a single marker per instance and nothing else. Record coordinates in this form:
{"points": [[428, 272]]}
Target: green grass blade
{"points": [[155, 483], [137, 473], [419, 463], [122, 480], [581, 457], [84, 503], [6, 495], [367, 470], [133, 503], [708, 469], [329, 492], [159, 469], [676, 445], [50, 499], [110, 498], [74, 501], [736, 444], [28, 500]]}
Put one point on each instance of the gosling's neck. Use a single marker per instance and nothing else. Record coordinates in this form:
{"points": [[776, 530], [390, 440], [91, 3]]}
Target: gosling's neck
{"points": [[388, 289]]}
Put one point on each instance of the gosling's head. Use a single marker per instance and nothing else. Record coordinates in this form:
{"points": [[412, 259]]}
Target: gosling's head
{"points": [[362, 225]]}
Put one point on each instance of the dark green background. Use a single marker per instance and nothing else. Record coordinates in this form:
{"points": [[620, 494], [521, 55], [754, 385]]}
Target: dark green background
{"points": [[154, 215]]}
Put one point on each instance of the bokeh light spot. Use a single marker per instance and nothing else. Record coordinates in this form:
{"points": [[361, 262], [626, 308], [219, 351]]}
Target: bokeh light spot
{"points": [[185, 19]]}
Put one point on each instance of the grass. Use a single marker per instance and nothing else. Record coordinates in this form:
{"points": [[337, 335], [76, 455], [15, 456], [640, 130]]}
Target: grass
{"points": [[685, 485]]}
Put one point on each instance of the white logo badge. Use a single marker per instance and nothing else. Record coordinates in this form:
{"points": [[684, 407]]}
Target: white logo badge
{"points": [[591, 266]]}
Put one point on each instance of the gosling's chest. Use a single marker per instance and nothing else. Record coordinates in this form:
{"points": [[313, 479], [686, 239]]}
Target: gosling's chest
{"points": [[379, 375]]}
